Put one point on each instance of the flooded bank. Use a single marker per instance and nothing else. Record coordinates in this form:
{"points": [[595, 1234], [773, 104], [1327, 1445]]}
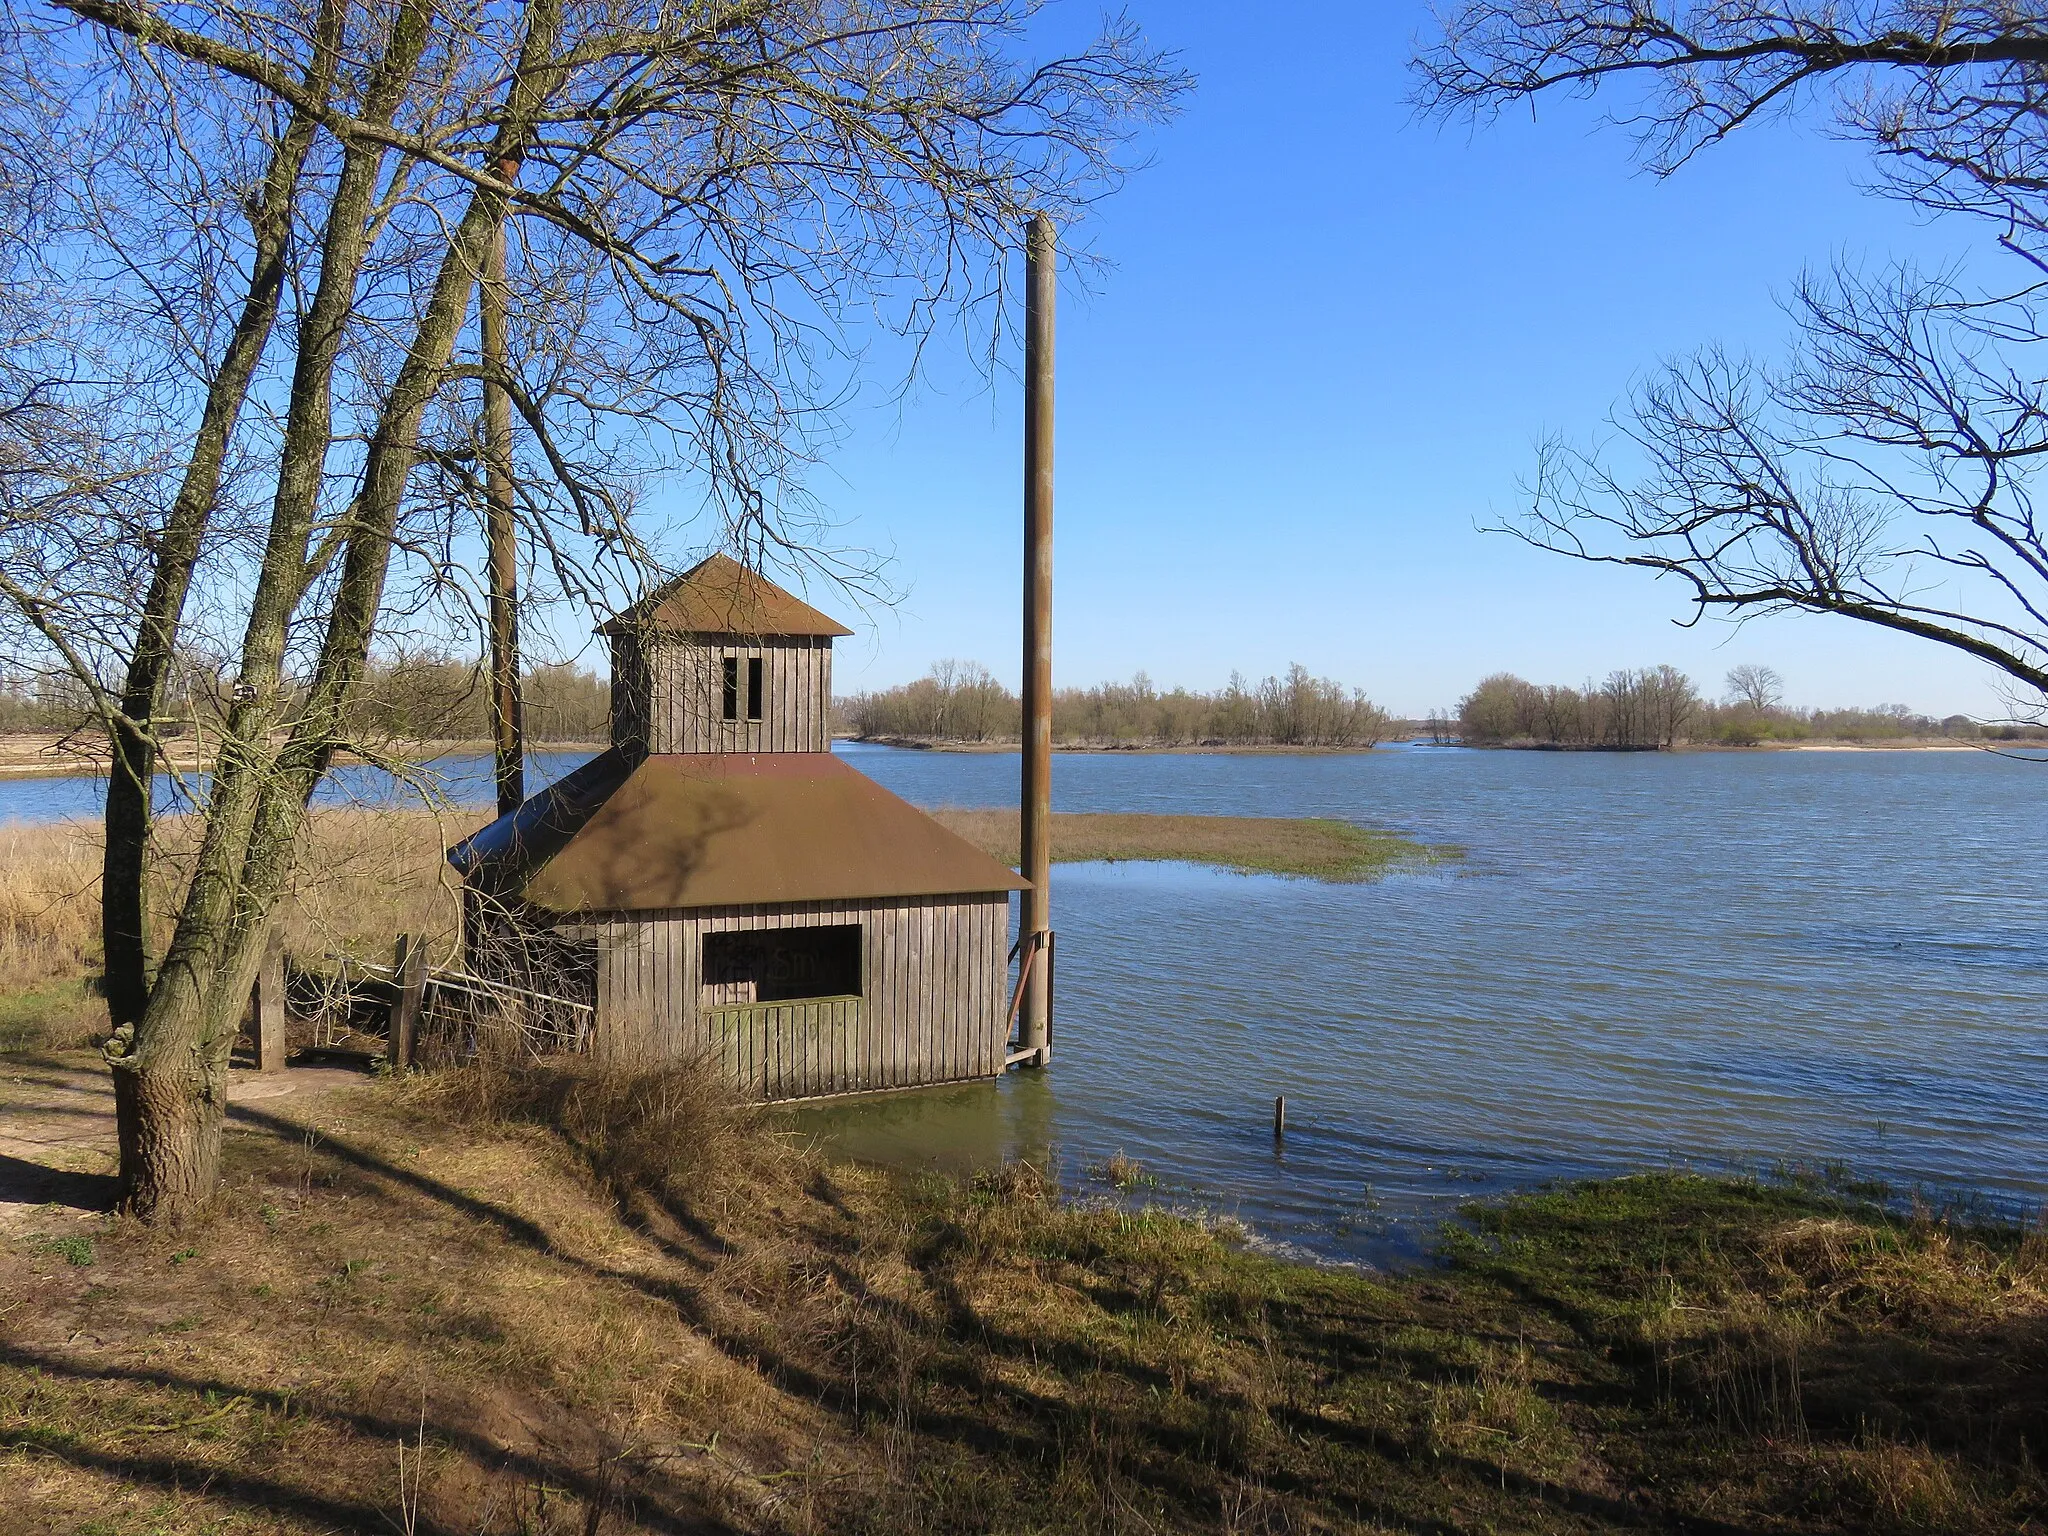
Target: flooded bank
{"points": [[1645, 960]]}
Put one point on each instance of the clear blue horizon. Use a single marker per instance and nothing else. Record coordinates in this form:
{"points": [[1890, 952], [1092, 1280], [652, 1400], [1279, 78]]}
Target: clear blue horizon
{"points": [[1331, 338]]}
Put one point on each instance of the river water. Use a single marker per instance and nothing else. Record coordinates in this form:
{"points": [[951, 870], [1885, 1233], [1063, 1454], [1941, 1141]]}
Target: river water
{"points": [[1646, 960]]}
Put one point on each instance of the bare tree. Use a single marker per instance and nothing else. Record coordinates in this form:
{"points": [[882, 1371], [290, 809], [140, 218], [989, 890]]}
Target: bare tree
{"points": [[286, 206], [1885, 472], [1755, 687]]}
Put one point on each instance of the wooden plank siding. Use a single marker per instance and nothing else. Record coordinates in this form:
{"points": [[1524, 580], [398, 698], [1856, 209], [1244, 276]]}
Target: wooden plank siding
{"points": [[682, 681], [792, 1050], [931, 1008]]}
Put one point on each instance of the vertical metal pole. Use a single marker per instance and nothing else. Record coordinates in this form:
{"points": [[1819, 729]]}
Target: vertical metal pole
{"points": [[1040, 275], [508, 727]]}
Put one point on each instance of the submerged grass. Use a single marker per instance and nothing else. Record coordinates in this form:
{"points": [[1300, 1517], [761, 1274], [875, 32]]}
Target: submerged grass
{"points": [[1320, 848], [620, 1302]]}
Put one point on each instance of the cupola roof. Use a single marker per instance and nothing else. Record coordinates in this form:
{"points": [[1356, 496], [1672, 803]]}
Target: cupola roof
{"points": [[719, 596]]}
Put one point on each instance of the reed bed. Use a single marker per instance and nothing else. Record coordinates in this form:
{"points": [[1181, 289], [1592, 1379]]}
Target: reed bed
{"points": [[49, 902]]}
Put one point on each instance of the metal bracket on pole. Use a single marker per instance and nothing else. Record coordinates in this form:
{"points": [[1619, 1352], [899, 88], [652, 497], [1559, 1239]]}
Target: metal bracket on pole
{"points": [[1032, 945]]}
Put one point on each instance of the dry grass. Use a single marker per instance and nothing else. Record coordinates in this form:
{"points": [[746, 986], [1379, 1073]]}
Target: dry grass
{"points": [[620, 1303], [363, 878], [1320, 848], [657, 1139], [49, 901]]}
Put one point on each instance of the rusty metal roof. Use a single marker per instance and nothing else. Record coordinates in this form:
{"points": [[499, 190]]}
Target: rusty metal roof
{"points": [[720, 829], [719, 596]]}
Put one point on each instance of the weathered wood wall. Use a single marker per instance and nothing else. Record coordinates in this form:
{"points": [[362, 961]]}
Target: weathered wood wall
{"points": [[668, 693], [933, 1006]]}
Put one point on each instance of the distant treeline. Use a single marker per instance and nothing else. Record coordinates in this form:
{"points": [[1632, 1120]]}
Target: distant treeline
{"points": [[1660, 707], [41, 704], [425, 697], [961, 701], [438, 698], [433, 696]]}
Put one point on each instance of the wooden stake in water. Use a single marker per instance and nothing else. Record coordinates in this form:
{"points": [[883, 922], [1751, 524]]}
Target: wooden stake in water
{"points": [[1279, 1117]]}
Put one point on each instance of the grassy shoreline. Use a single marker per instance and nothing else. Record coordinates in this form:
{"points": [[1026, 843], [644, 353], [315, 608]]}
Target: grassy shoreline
{"points": [[1212, 749], [579, 1318], [1140, 748], [1317, 848]]}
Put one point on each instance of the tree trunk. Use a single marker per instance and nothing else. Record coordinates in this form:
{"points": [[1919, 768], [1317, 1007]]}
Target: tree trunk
{"points": [[176, 1074], [169, 1115], [124, 900]]}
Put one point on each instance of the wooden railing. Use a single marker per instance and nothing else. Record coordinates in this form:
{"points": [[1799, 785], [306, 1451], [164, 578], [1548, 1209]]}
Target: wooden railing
{"points": [[419, 995]]}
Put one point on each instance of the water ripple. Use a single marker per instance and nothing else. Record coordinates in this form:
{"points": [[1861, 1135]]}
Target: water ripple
{"points": [[1706, 960]]}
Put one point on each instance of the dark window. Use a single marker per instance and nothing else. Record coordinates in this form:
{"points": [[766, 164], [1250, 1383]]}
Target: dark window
{"points": [[779, 965], [731, 710], [753, 687]]}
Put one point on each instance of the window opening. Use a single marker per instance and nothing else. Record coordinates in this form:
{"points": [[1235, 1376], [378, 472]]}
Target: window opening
{"points": [[731, 710], [753, 687], [780, 965]]}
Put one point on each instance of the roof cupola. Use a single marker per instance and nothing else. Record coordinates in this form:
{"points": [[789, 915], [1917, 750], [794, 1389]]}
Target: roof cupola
{"points": [[722, 660]]}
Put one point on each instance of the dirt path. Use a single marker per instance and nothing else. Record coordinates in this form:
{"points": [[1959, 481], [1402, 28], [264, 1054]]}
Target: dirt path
{"points": [[57, 1127]]}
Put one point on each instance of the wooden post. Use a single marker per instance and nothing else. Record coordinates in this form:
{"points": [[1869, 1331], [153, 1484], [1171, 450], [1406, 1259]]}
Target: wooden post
{"points": [[1035, 908], [1280, 1117], [409, 962], [508, 729], [268, 1010]]}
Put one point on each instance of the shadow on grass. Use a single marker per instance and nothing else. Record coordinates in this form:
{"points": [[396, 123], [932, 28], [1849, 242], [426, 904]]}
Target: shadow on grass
{"points": [[254, 1491], [26, 1183], [966, 1359]]}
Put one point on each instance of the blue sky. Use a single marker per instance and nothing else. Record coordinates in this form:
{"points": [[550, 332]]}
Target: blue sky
{"points": [[1330, 340]]}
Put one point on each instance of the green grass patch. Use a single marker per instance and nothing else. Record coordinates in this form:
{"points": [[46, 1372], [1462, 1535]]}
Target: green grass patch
{"points": [[53, 1016], [75, 1248]]}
